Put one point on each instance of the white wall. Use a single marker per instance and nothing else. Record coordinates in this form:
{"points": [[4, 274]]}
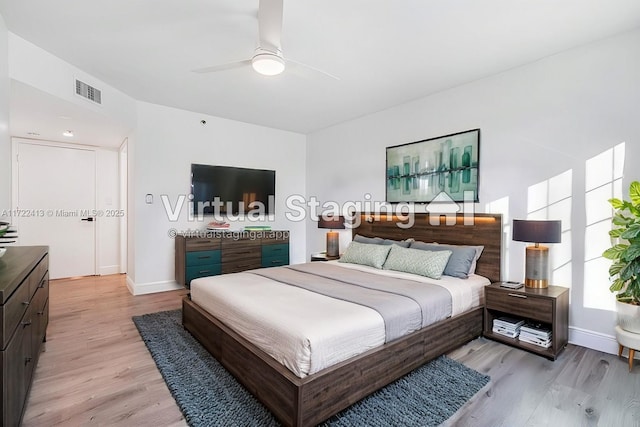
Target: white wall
{"points": [[36, 67], [540, 124], [165, 143], [5, 141]]}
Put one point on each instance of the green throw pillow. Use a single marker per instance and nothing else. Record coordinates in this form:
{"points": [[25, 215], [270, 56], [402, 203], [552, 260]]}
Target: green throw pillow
{"points": [[425, 263], [365, 254]]}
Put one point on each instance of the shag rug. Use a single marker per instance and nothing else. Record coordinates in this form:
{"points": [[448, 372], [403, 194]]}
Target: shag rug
{"points": [[208, 395]]}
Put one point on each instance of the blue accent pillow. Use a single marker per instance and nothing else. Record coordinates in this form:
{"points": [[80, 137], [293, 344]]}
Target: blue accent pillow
{"points": [[462, 260]]}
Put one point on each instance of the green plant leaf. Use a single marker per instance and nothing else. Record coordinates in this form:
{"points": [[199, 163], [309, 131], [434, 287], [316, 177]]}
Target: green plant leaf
{"points": [[621, 220], [632, 252], [616, 232], [630, 271], [615, 268], [631, 232], [634, 192], [615, 252], [617, 285], [616, 203]]}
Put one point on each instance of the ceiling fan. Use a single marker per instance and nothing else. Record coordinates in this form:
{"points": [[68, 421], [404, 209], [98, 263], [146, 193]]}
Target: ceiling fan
{"points": [[267, 58]]}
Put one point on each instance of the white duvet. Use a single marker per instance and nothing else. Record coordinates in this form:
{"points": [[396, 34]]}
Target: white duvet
{"points": [[303, 330]]}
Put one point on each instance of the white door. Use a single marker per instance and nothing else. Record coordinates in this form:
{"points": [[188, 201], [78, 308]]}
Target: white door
{"points": [[56, 202]]}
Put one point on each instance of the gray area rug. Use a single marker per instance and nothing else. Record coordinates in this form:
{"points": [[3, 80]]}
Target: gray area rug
{"points": [[210, 396]]}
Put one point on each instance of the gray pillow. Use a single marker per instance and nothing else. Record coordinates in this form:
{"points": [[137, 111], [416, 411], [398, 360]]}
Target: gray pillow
{"points": [[365, 254], [462, 260], [368, 240], [415, 261], [380, 241]]}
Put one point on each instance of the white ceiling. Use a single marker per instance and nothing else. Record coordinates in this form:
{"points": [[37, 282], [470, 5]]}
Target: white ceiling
{"points": [[384, 52]]}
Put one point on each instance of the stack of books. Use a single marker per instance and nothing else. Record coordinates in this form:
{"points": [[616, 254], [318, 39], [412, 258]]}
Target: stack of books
{"points": [[507, 326], [536, 334], [218, 225], [257, 228]]}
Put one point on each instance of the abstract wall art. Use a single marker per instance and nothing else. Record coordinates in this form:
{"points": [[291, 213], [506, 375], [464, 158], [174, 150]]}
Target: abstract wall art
{"points": [[420, 171]]}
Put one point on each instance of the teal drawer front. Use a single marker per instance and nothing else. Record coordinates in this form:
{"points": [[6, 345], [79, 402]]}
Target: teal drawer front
{"points": [[275, 261], [203, 271], [203, 258], [281, 249]]}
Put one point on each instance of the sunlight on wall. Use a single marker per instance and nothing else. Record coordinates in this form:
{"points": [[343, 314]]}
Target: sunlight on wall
{"points": [[603, 180], [551, 199], [501, 206]]}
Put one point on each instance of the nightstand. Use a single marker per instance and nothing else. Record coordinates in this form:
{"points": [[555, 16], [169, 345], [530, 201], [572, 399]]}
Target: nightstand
{"points": [[322, 256], [549, 306]]}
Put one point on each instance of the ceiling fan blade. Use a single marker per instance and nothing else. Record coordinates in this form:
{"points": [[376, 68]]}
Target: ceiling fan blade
{"points": [[223, 67], [270, 24], [311, 68]]}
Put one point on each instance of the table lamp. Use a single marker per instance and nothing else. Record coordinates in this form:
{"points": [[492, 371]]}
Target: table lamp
{"points": [[333, 237], [537, 256]]}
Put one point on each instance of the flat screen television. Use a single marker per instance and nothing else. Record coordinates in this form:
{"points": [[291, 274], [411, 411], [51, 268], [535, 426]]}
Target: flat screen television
{"points": [[238, 190]]}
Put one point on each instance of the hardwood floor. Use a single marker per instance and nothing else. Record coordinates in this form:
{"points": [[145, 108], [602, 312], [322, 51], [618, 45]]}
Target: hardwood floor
{"points": [[97, 371]]}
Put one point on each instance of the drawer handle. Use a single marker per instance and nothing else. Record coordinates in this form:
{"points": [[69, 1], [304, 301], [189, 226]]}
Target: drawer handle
{"points": [[27, 323], [518, 296], [26, 303], [204, 257], [245, 252], [276, 250], [27, 360], [40, 313], [204, 271], [244, 265], [277, 261]]}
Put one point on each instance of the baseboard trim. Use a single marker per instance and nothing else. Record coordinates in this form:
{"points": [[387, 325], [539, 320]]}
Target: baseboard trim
{"points": [[593, 340], [109, 269], [151, 287]]}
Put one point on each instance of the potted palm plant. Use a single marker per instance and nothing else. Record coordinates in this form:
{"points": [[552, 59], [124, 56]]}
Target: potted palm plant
{"points": [[624, 273]]}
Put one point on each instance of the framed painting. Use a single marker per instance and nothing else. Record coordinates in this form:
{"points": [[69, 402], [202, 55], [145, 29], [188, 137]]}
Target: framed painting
{"points": [[441, 169]]}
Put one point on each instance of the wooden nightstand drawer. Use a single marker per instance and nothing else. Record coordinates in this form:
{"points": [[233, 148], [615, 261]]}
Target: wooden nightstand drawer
{"points": [[520, 304]]}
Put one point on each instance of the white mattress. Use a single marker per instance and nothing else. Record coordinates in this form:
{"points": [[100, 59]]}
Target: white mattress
{"points": [[303, 330]]}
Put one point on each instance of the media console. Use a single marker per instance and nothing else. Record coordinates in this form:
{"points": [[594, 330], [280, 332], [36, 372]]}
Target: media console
{"points": [[209, 253]]}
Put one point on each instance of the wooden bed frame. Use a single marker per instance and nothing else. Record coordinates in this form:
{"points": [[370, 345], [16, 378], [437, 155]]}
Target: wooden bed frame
{"points": [[308, 401]]}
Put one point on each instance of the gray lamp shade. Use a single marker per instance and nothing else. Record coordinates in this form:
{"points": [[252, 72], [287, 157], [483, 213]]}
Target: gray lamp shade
{"points": [[331, 222], [537, 231]]}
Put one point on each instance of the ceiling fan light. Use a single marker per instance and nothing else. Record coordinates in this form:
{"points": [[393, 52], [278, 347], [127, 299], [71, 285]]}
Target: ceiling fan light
{"points": [[267, 64]]}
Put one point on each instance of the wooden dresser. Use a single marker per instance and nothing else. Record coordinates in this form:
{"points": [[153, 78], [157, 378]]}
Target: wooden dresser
{"points": [[209, 253], [24, 315]]}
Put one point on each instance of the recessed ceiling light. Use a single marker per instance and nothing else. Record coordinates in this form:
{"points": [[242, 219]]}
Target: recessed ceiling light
{"points": [[68, 133], [33, 133]]}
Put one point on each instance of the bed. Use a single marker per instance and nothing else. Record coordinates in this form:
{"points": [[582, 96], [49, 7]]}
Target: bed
{"points": [[307, 398]]}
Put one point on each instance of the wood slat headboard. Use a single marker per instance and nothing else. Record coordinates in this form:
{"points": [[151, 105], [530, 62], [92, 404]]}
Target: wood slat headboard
{"points": [[479, 229]]}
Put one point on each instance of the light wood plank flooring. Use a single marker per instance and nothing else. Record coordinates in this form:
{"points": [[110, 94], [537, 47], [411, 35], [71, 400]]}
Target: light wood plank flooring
{"points": [[97, 371]]}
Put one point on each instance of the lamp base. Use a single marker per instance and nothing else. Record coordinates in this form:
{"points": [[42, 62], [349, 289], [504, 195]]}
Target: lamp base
{"points": [[333, 244], [537, 267]]}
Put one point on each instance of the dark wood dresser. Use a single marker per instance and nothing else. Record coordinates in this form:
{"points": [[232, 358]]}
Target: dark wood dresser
{"points": [[209, 253], [24, 315]]}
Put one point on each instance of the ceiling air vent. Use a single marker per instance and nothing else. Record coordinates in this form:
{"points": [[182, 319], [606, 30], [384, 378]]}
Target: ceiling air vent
{"points": [[88, 92]]}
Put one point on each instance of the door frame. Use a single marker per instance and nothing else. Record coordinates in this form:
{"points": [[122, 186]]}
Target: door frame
{"points": [[15, 142]]}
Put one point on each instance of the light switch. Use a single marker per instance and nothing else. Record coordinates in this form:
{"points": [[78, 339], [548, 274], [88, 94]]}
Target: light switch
{"points": [[148, 199]]}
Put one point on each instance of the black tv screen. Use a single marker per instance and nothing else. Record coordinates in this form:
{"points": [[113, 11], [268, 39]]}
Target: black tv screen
{"points": [[238, 190]]}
